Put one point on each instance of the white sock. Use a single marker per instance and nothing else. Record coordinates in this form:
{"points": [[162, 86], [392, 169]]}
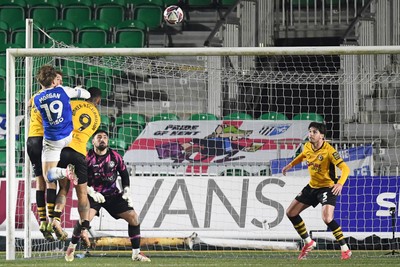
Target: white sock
{"points": [[136, 251], [307, 240], [344, 247], [56, 173]]}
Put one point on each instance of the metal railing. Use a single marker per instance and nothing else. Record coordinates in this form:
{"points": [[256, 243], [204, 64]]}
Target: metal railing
{"points": [[317, 14]]}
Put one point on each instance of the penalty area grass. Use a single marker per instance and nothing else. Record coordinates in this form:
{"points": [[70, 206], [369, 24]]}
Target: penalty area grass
{"points": [[213, 258]]}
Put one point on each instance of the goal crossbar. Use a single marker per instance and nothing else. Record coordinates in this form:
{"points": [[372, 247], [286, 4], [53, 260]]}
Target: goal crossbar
{"points": [[208, 51]]}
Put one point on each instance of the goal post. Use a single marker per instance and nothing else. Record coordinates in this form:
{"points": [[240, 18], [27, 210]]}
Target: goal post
{"points": [[220, 201]]}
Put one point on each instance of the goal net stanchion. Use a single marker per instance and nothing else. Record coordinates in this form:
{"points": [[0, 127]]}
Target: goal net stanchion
{"points": [[213, 202]]}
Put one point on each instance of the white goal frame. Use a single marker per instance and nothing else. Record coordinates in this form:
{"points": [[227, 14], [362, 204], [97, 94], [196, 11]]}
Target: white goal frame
{"points": [[143, 52]]}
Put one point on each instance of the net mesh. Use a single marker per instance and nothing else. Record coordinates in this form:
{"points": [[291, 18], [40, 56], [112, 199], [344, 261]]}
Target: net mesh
{"points": [[193, 198]]}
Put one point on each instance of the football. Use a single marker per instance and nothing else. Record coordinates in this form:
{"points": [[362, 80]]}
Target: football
{"points": [[173, 15]]}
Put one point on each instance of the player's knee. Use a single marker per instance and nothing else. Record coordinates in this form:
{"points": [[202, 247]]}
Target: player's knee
{"points": [[290, 213], [133, 219], [327, 218]]}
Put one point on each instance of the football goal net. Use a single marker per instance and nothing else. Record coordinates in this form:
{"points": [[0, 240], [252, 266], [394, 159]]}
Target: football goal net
{"points": [[205, 133]]}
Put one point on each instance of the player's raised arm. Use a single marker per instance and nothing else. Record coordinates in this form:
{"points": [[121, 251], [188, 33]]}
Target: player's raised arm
{"points": [[77, 92], [294, 162]]}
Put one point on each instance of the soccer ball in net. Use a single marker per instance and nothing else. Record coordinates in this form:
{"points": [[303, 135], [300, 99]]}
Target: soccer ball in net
{"points": [[173, 15]]}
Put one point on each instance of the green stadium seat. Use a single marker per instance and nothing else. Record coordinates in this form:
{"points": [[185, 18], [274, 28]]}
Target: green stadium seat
{"points": [[111, 12], [203, 117], [165, 117], [131, 119], [3, 143], [20, 90], [226, 3], [200, 3], [3, 61], [12, 11], [61, 36], [80, 45], [62, 31], [3, 156], [105, 83], [93, 33], [130, 33], [114, 45], [18, 34], [4, 28], [118, 144], [129, 134], [69, 81], [159, 3], [105, 122], [150, 12], [273, 116], [47, 45], [172, 2], [77, 11], [3, 94], [4, 46], [3, 109], [102, 71], [238, 116], [309, 117], [43, 11], [73, 68]]}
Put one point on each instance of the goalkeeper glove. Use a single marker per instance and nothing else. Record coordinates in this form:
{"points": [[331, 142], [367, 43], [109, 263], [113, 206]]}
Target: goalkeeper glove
{"points": [[128, 196], [98, 197]]}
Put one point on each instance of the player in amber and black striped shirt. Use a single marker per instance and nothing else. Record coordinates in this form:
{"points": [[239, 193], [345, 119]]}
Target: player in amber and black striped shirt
{"points": [[322, 159]]}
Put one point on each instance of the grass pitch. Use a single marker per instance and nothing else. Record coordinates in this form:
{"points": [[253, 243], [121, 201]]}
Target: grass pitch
{"points": [[214, 258]]}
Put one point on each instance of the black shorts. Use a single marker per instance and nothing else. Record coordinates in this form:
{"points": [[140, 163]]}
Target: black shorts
{"points": [[34, 147], [70, 156], [114, 205], [314, 196]]}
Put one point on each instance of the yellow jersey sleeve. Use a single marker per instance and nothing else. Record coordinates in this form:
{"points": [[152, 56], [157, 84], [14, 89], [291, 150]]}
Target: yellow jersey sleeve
{"points": [[86, 120], [35, 122]]}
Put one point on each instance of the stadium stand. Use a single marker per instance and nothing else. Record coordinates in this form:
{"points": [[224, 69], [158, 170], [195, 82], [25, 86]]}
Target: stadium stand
{"points": [[130, 33], [93, 33], [273, 116], [44, 12], [110, 12], [309, 116], [12, 11], [238, 116], [165, 117], [203, 117]]}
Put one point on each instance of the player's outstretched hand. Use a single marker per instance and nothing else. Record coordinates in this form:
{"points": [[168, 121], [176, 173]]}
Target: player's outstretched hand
{"points": [[337, 189], [286, 168], [128, 196], [98, 197]]}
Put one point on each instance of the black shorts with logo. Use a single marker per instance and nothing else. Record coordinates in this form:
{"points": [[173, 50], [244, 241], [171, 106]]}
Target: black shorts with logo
{"points": [[114, 205], [70, 156], [34, 147], [314, 196]]}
